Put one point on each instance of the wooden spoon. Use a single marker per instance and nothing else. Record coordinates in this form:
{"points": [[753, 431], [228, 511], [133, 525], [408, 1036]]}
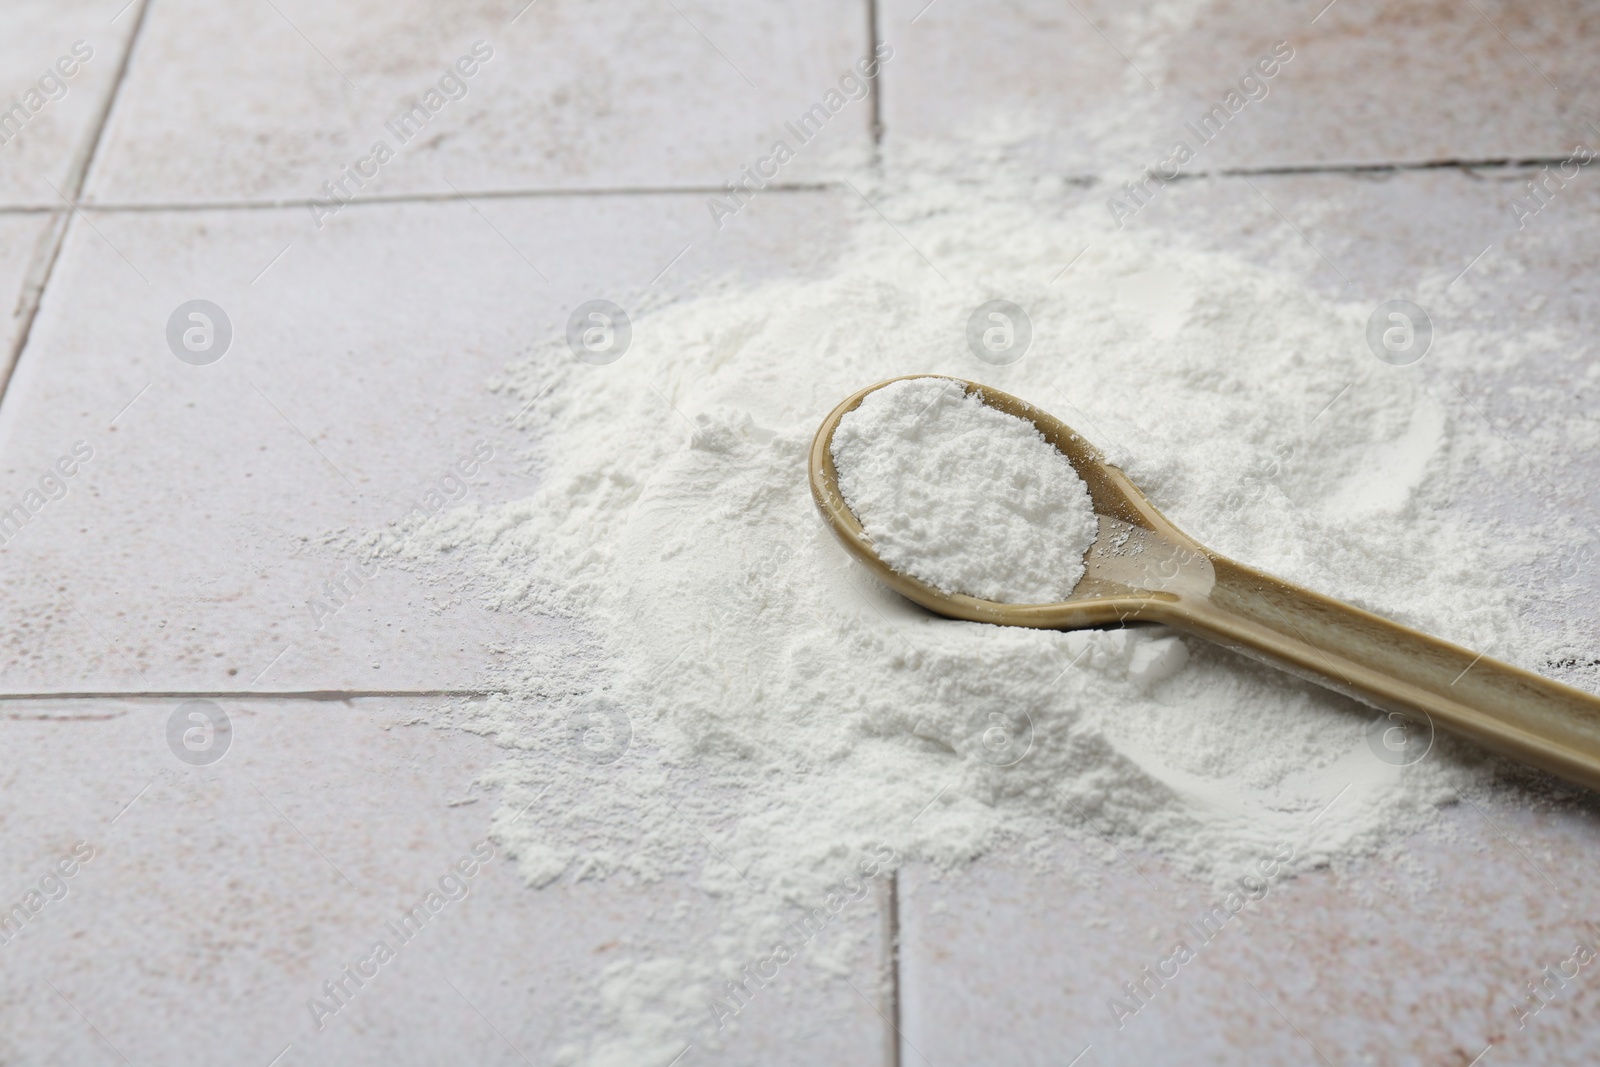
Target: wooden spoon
{"points": [[1142, 568]]}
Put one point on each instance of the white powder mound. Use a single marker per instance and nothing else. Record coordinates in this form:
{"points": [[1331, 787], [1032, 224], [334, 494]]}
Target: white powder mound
{"points": [[966, 497], [725, 694]]}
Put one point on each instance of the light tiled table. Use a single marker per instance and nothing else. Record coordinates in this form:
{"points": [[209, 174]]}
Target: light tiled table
{"points": [[573, 95], [183, 555], [311, 422], [42, 152], [219, 899], [1113, 84], [20, 237]]}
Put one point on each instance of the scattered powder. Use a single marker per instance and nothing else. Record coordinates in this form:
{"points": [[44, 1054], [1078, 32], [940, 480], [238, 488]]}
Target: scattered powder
{"points": [[966, 497], [725, 694]]}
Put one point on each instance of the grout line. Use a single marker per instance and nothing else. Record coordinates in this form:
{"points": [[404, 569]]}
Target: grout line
{"points": [[48, 250], [79, 177], [453, 197], [1506, 163], [892, 934], [251, 694], [873, 90], [41, 266]]}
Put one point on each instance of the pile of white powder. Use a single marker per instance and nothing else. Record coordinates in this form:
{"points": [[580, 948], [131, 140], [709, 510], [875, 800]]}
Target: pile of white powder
{"points": [[726, 695], [966, 497]]}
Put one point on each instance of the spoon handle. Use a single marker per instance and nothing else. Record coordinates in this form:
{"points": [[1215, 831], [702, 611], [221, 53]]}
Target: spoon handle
{"points": [[1512, 711]]}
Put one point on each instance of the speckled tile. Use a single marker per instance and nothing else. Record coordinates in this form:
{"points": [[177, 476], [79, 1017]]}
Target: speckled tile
{"points": [[1099, 88], [216, 900], [20, 236], [1006, 963], [184, 552], [1451, 241], [562, 94], [188, 552], [60, 59], [1418, 962]]}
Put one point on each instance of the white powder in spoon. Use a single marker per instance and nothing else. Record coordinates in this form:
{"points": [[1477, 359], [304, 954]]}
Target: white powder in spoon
{"points": [[966, 497]]}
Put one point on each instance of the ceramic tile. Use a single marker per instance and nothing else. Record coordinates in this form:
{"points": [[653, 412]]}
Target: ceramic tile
{"points": [[60, 59], [1106, 89], [190, 550], [561, 94], [20, 237], [1431, 954], [207, 904]]}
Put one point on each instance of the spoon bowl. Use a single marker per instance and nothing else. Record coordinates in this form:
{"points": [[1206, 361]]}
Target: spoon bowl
{"points": [[1138, 562], [1142, 568]]}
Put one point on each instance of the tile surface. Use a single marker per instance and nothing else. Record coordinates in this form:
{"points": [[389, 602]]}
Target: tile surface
{"points": [[20, 237], [187, 552], [1449, 240], [218, 499], [1098, 88], [1431, 955], [40, 145], [574, 96], [245, 884]]}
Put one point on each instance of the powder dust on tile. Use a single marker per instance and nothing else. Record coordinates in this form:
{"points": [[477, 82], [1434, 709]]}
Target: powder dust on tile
{"points": [[729, 696]]}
